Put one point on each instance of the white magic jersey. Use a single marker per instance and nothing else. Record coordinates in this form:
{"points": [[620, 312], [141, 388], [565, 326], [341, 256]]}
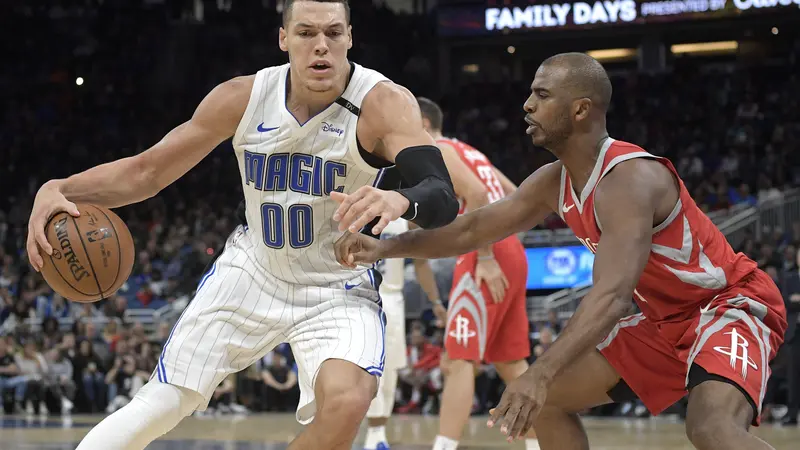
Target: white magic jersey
{"points": [[392, 270], [289, 170]]}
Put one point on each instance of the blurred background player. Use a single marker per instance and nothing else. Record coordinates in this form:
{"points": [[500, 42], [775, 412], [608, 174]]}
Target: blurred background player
{"points": [[392, 273], [487, 319]]}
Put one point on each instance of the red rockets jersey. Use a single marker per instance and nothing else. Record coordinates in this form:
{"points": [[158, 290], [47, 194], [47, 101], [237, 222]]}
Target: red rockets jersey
{"points": [[480, 166], [690, 260]]}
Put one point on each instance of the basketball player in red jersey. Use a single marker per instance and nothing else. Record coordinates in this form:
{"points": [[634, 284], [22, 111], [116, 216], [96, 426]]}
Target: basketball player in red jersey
{"points": [[487, 320], [711, 321]]}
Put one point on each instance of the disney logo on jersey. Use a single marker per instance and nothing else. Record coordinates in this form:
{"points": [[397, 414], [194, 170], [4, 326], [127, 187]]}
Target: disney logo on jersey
{"points": [[331, 128]]}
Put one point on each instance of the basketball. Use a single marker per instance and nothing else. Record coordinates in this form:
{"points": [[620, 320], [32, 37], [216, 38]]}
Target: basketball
{"points": [[92, 254]]}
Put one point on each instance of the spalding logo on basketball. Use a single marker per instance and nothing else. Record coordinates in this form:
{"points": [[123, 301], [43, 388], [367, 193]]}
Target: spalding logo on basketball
{"points": [[561, 262], [92, 256]]}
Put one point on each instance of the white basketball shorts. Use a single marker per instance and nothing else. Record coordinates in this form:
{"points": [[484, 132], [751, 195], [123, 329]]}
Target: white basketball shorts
{"points": [[241, 312], [396, 359]]}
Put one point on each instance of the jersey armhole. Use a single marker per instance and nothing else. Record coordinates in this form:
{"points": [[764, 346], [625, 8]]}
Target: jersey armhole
{"points": [[252, 104], [561, 191], [620, 159]]}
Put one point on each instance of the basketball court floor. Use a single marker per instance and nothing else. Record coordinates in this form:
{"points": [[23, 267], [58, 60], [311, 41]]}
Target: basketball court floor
{"points": [[274, 431]]}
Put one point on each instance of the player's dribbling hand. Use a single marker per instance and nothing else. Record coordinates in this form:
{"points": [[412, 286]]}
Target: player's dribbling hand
{"points": [[353, 249], [520, 404], [358, 209], [49, 201]]}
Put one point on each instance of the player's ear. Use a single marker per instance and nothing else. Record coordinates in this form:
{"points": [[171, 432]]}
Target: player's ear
{"points": [[282, 39], [349, 37], [581, 108]]}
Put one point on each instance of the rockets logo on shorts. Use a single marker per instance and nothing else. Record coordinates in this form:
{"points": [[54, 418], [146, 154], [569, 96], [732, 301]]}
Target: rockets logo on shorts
{"points": [[738, 352], [462, 333]]}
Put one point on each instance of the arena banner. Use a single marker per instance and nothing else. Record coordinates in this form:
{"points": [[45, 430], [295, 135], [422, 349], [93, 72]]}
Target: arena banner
{"points": [[503, 16], [559, 267]]}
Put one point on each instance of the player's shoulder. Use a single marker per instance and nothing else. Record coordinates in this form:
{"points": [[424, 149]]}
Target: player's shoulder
{"points": [[387, 96]]}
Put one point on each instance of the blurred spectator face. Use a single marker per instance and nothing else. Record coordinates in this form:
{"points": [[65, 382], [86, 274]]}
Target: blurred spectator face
{"points": [[111, 328], [29, 349], [3, 347], [68, 341], [50, 326], [552, 317], [772, 272], [121, 302], [798, 258], [417, 338], [163, 331], [146, 349], [85, 348], [138, 329], [546, 336], [122, 347], [91, 330], [328, 34]]}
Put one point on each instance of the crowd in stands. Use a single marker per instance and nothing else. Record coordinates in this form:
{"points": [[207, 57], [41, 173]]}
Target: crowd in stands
{"points": [[732, 132]]}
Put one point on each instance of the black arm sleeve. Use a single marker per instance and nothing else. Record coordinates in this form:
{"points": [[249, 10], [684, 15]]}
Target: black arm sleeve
{"points": [[432, 199]]}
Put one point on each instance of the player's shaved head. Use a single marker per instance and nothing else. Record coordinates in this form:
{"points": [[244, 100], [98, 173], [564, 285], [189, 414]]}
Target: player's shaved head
{"points": [[431, 111], [287, 8], [583, 77]]}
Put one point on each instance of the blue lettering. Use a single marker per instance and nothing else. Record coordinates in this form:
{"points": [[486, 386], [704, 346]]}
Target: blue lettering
{"points": [[272, 220], [332, 170], [301, 226], [316, 185], [298, 172], [300, 175], [277, 172], [254, 169]]}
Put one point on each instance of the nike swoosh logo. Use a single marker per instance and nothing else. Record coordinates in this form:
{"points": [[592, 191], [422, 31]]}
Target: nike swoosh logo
{"points": [[705, 309], [349, 286], [264, 130], [566, 209]]}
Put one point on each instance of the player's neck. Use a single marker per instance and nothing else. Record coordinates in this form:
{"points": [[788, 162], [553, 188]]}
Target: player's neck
{"points": [[579, 155], [305, 103], [436, 135]]}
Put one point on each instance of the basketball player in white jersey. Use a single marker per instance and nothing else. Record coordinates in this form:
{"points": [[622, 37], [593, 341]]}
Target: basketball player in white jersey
{"points": [[302, 132], [392, 272]]}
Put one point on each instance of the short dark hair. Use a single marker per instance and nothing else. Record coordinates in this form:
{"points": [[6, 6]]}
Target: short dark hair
{"points": [[431, 111], [586, 77], [287, 8]]}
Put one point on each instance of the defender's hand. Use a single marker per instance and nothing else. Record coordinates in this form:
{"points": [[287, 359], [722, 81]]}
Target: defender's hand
{"points": [[489, 270], [353, 249], [522, 401], [49, 201], [358, 209]]}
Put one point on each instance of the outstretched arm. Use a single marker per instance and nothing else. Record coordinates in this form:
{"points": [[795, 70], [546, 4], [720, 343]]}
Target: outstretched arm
{"points": [[390, 126], [625, 203], [136, 178], [139, 177], [528, 206]]}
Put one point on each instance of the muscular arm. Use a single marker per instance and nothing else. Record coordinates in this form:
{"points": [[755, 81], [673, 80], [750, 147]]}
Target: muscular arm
{"points": [[528, 206], [625, 203], [390, 126], [136, 178]]}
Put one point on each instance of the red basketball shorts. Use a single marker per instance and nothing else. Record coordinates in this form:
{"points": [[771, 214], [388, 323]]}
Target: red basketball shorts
{"points": [[479, 329], [734, 336]]}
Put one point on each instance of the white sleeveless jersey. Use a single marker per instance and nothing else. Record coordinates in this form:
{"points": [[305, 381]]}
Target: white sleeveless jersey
{"points": [[289, 170], [392, 270]]}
